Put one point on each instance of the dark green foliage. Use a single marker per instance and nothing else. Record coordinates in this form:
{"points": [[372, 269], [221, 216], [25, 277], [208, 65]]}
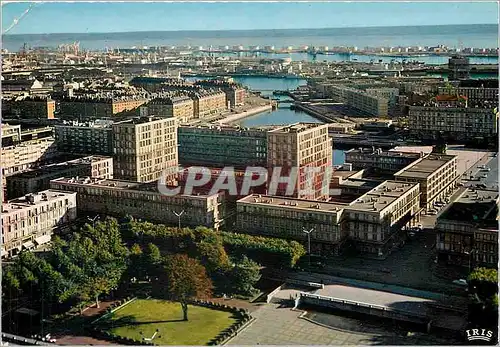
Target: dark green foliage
{"points": [[483, 298]]}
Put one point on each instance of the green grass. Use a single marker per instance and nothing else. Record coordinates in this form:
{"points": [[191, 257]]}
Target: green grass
{"points": [[147, 315]]}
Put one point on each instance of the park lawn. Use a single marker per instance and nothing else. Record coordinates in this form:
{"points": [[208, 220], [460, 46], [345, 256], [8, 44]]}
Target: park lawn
{"points": [[147, 315]]}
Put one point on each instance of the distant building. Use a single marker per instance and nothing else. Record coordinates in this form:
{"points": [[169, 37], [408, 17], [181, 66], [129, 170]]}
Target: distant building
{"points": [[21, 85], [29, 221], [437, 175], [459, 68], [85, 138], [373, 221], [94, 107], [145, 148], [143, 200], [452, 123], [29, 108], [473, 94], [301, 146], [180, 107], [235, 94], [35, 180], [11, 134], [467, 230], [208, 103], [221, 146]]}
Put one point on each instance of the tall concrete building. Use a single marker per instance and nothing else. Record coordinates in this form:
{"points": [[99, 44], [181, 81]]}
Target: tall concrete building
{"points": [[30, 221], [85, 138], [221, 146], [302, 146], [145, 148], [459, 68]]}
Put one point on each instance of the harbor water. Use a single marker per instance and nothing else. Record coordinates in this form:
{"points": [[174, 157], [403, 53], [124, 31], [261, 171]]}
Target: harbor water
{"points": [[283, 115]]}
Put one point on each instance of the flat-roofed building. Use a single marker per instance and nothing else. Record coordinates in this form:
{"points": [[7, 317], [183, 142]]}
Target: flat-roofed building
{"points": [[11, 134], [180, 107], [30, 221], [25, 155], [95, 137], [472, 93], [379, 161], [35, 180], [304, 147], [453, 123], [145, 148], [235, 93], [459, 68], [373, 221], [437, 175], [370, 103], [221, 146], [143, 200], [467, 230]]}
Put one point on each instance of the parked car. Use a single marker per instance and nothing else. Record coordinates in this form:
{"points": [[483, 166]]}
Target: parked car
{"points": [[432, 213], [484, 176], [460, 282]]}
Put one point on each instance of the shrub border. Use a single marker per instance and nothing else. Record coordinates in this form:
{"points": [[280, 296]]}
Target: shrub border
{"points": [[243, 317]]}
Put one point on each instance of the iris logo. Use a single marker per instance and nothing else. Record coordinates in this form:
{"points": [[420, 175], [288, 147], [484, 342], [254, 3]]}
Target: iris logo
{"points": [[479, 334]]}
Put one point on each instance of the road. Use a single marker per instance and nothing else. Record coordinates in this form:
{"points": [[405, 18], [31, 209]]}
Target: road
{"points": [[491, 180]]}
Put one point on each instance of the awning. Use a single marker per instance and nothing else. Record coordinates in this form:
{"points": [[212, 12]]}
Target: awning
{"points": [[28, 245], [42, 239]]}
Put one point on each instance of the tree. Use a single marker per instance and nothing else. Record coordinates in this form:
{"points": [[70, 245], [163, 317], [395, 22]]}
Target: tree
{"points": [[483, 305], [212, 254], [185, 279], [244, 275]]}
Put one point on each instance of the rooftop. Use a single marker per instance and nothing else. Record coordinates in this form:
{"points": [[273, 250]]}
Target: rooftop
{"points": [[475, 206], [425, 167], [34, 200], [115, 184], [297, 127], [375, 200], [58, 167]]}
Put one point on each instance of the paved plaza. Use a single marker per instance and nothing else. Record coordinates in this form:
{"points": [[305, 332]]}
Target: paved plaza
{"points": [[276, 325]]}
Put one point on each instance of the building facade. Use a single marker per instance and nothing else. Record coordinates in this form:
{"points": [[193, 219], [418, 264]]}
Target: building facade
{"points": [[179, 107], [373, 222], [222, 146], [304, 147], [207, 103], [145, 149], [120, 198], [85, 138], [29, 108], [88, 107], [30, 221], [452, 123], [437, 175], [459, 68], [467, 230]]}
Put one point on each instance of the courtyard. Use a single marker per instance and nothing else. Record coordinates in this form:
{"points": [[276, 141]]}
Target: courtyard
{"points": [[145, 317]]}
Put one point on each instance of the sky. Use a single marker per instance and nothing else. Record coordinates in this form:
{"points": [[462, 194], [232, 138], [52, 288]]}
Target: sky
{"points": [[44, 18]]}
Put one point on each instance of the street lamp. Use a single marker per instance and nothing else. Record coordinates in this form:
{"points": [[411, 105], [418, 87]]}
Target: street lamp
{"points": [[308, 232], [470, 253], [179, 216], [93, 220]]}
